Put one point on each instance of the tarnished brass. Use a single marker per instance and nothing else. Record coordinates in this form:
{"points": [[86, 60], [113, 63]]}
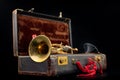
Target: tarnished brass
{"points": [[63, 49], [40, 48], [62, 60], [98, 58]]}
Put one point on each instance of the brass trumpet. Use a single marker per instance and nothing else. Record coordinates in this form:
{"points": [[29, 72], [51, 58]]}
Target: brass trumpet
{"points": [[40, 48], [63, 49]]}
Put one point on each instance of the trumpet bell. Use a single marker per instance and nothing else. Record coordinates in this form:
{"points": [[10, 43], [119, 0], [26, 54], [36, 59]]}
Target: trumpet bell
{"points": [[39, 48]]}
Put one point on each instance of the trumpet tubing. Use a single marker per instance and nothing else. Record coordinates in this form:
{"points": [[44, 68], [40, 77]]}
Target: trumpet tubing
{"points": [[40, 48]]}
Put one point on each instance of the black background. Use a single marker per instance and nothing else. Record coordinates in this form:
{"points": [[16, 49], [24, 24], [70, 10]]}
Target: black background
{"points": [[93, 21]]}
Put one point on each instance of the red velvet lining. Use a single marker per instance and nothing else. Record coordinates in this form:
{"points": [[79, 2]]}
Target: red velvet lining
{"points": [[57, 31]]}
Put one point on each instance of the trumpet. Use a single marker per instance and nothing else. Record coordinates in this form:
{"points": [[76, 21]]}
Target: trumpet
{"points": [[41, 47], [63, 49]]}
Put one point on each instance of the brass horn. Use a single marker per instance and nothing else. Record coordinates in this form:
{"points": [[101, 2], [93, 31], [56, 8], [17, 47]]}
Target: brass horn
{"points": [[39, 48]]}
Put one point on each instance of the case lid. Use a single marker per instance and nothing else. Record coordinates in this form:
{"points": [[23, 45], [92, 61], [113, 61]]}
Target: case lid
{"points": [[27, 24]]}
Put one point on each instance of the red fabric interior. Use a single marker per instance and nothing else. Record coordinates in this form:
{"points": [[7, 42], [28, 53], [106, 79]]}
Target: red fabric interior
{"points": [[57, 31]]}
